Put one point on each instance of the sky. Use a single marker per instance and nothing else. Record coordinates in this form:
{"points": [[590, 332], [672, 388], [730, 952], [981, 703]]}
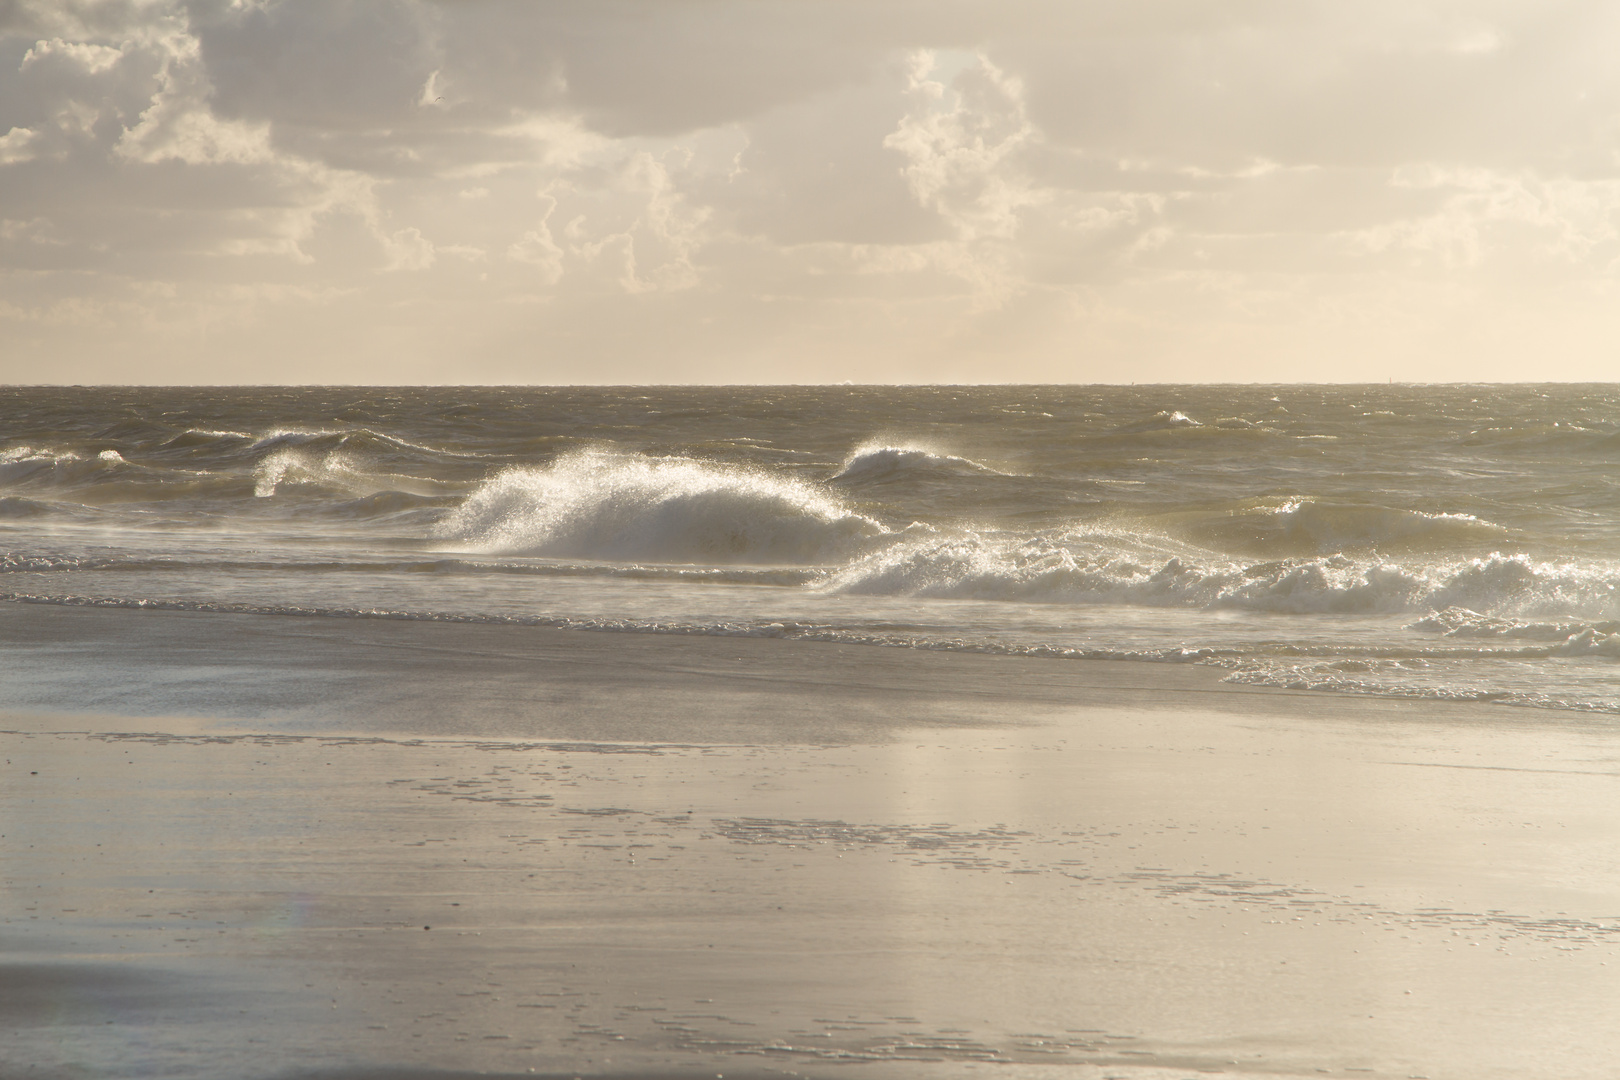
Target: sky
{"points": [[802, 191]]}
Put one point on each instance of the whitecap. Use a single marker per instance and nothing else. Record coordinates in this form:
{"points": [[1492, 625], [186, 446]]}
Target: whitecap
{"points": [[883, 461], [1163, 420]]}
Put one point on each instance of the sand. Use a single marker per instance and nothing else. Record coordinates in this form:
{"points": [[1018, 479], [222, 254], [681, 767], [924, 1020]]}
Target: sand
{"points": [[260, 846]]}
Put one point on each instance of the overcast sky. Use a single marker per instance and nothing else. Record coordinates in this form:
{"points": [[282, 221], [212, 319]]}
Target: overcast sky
{"points": [[395, 191]]}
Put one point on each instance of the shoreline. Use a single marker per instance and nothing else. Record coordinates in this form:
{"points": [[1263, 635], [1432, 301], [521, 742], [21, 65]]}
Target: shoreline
{"points": [[296, 654], [279, 848]]}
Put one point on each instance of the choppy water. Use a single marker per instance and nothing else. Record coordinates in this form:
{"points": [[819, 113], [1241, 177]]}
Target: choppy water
{"points": [[1450, 542]]}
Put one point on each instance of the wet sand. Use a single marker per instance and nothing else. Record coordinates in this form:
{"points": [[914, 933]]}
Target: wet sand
{"points": [[258, 846]]}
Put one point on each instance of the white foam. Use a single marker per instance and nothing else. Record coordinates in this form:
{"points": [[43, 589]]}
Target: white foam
{"points": [[1163, 420], [602, 504], [36, 456], [1460, 622], [1590, 642], [1469, 682], [1094, 568], [23, 463], [296, 435], [976, 566]]}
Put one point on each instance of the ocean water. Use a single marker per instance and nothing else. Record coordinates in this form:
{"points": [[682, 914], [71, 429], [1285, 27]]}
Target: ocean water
{"points": [[1449, 542]]}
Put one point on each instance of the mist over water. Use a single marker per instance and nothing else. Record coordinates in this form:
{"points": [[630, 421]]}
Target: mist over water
{"points": [[1451, 542]]}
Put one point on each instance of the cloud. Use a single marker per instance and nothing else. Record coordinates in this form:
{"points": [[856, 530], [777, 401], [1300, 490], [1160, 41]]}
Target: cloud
{"points": [[179, 123], [903, 189], [1573, 222], [539, 248], [14, 145], [94, 59], [961, 157]]}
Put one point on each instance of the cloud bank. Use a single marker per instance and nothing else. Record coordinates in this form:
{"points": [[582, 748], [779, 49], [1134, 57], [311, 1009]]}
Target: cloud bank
{"points": [[807, 190]]}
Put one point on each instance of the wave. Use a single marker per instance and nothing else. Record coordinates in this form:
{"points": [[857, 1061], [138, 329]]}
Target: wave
{"points": [[1460, 622], [228, 464], [21, 463], [1171, 427], [1078, 570], [1559, 439], [13, 455], [878, 462], [1421, 674], [16, 562], [1313, 527], [602, 504], [13, 562], [973, 566], [97, 476], [196, 437], [1333, 678], [14, 507], [1567, 638], [333, 470], [359, 438], [1163, 420], [783, 629], [351, 462]]}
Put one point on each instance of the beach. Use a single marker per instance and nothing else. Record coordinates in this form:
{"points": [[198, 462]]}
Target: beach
{"points": [[294, 846], [734, 540]]}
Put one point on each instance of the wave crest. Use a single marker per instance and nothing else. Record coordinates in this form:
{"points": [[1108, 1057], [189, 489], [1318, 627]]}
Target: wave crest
{"points": [[1310, 527], [878, 462]]}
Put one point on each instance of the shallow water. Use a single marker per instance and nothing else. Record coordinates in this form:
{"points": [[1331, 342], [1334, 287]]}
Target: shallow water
{"points": [[1448, 542]]}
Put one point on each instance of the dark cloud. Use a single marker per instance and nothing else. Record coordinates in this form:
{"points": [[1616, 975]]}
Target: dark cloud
{"points": [[337, 66]]}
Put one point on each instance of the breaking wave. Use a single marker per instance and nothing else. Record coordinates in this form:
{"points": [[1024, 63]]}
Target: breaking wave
{"points": [[599, 504], [1077, 570], [354, 462], [1461, 623], [1163, 420], [335, 472]]}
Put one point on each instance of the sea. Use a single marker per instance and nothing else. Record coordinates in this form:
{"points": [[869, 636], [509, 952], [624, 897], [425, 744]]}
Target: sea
{"points": [[1456, 542]]}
